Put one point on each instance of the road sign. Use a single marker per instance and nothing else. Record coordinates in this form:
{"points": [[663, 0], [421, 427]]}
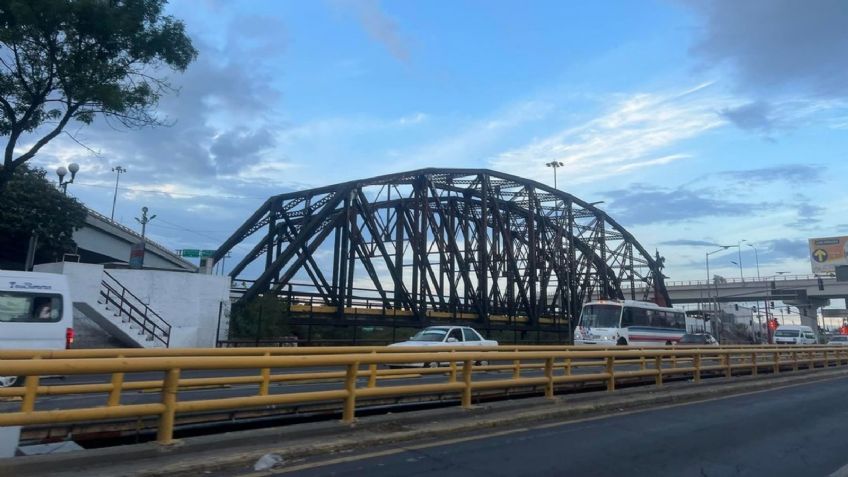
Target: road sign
{"points": [[190, 252], [828, 253]]}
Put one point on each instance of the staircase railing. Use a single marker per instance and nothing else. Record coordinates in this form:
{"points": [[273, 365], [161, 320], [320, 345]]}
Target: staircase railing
{"points": [[132, 309]]}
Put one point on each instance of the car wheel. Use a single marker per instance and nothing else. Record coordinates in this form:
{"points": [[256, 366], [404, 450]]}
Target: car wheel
{"points": [[481, 363], [621, 342], [431, 365], [10, 381], [668, 343]]}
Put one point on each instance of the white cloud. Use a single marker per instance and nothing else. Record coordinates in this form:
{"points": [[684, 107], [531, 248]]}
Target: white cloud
{"points": [[639, 131]]}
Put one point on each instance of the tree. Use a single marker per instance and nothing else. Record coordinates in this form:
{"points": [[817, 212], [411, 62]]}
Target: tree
{"points": [[32, 205], [72, 60]]}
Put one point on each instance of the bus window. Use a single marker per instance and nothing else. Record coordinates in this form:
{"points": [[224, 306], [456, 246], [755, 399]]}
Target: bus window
{"points": [[632, 316]]}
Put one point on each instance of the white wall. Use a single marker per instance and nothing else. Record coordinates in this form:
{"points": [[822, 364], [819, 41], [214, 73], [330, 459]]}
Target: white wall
{"points": [[189, 302]]}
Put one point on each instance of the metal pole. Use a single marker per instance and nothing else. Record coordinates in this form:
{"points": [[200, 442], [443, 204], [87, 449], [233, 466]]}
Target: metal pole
{"points": [[118, 171], [759, 317], [739, 249]]}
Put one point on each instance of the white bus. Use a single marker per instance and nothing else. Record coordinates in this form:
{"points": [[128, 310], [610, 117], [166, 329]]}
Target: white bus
{"points": [[36, 312], [637, 323]]}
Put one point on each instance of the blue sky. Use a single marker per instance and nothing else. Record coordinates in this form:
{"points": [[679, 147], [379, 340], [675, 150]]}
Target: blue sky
{"points": [[697, 123]]}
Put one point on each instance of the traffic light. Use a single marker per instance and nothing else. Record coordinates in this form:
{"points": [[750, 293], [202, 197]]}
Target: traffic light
{"points": [[820, 283], [771, 305], [736, 306], [754, 308], [772, 324]]}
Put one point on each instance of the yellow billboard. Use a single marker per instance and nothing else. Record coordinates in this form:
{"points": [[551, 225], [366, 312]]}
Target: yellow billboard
{"points": [[827, 253]]}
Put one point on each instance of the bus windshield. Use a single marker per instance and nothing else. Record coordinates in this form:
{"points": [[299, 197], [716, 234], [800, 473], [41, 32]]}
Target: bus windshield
{"points": [[600, 316]]}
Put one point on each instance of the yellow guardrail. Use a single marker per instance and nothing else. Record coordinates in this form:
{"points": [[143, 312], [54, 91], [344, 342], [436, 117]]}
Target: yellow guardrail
{"points": [[557, 367]]}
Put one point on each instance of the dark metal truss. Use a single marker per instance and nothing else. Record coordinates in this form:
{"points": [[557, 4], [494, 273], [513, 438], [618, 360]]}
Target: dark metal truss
{"points": [[448, 240]]}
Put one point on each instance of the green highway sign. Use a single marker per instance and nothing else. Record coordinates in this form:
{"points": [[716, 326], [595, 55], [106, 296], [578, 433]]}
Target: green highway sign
{"points": [[194, 253]]}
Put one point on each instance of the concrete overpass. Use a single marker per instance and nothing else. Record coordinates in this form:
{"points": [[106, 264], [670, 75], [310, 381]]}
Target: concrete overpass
{"points": [[103, 240], [807, 292]]}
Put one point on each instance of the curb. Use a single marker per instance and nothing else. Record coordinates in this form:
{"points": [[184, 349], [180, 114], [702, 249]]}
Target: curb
{"points": [[237, 451]]}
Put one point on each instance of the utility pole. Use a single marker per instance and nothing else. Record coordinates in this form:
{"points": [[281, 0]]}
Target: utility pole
{"points": [[118, 170]]}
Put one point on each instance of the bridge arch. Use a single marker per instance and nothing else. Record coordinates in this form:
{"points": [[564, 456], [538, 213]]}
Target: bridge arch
{"points": [[443, 243]]}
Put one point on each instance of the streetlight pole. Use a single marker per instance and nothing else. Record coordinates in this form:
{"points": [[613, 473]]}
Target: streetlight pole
{"points": [[118, 170], [73, 168], [759, 319], [555, 165], [739, 249], [709, 287], [144, 220]]}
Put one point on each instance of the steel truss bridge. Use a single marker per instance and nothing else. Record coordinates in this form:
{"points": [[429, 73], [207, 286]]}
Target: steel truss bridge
{"points": [[441, 245]]}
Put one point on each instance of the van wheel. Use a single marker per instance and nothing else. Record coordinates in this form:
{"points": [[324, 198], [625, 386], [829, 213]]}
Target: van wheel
{"points": [[621, 342], [11, 381]]}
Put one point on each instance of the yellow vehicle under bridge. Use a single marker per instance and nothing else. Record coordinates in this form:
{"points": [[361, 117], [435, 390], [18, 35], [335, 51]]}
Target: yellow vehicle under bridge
{"points": [[473, 246]]}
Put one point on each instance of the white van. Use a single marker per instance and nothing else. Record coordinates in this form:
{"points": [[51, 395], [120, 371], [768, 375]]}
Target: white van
{"points": [[794, 334], [36, 312]]}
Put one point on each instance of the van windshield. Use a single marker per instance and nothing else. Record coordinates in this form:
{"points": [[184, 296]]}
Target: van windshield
{"points": [[787, 333], [30, 307]]}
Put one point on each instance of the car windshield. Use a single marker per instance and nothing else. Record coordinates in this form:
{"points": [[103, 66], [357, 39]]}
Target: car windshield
{"points": [[787, 333], [600, 316], [430, 334], [692, 339]]}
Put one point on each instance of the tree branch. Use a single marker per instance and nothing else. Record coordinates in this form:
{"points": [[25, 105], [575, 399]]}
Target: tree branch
{"points": [[69, 113]]}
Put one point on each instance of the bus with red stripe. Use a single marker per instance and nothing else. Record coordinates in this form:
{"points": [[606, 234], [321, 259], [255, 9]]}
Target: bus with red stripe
{"points": [[629, 322]]}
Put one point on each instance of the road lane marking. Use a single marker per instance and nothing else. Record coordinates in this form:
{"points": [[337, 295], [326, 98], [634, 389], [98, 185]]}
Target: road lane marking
{"points": [[607, 415]]}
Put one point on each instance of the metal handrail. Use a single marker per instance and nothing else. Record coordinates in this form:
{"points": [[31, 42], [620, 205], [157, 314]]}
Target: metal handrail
{"points": [[556, 366], [127, 303]]}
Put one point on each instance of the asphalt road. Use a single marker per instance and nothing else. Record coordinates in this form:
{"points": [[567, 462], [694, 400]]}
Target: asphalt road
{"points": [[793, 431]]}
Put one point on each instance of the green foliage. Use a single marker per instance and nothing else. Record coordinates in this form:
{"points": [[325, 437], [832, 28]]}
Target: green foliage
{"points": [[29, 204], [264, 317], [63, 60]]}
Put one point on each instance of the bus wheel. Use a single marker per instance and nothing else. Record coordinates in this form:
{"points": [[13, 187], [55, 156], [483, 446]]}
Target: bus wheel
{"points": [[10, 381], [622, 342]]}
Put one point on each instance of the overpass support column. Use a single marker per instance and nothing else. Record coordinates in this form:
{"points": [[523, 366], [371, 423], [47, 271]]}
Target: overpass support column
{"points": [[808, 308]]}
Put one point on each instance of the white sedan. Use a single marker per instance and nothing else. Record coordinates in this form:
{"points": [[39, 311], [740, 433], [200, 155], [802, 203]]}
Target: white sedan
{"points": [[841, 340], [444, 336]]}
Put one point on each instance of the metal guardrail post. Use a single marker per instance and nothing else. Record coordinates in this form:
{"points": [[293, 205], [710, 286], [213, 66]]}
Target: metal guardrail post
{"points": [[728, 366], [776, 369], [452, 374], [610, 367], [697, 374], [549, 374], [372, 373], [348, 414], [754, 365], [794, 361], [466, 378], [568, 366], [265, 385], [115, 392], [165, 434], [658, 363]]}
